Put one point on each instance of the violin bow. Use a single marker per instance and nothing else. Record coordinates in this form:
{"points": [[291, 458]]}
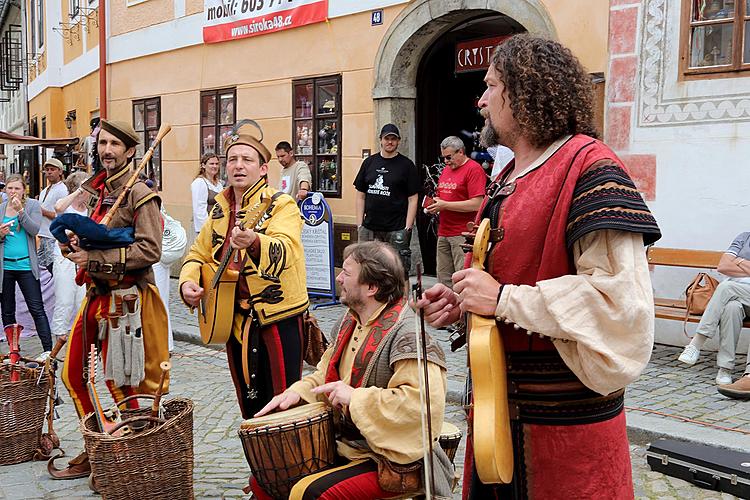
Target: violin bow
{"points": [[424, 389]]}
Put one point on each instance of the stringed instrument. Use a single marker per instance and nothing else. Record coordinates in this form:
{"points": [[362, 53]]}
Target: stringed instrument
{"points": [[108, 420], [493, 445], [216, 312]]}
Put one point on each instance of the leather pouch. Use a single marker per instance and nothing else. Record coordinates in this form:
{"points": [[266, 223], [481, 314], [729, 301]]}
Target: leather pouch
{"points": [[400, 478]]}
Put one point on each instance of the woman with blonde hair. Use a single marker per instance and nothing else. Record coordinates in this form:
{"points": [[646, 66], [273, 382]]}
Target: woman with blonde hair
{"points": [[68, 295], [21, 218], [205, 187]]}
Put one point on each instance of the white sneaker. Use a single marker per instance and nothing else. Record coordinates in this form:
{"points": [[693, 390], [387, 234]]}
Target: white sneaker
{"points": [[724, 377], [43, 356], [690, 354]]}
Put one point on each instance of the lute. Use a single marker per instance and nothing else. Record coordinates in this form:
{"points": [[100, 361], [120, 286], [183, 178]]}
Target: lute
{"points": [[493, 445], [216, 313]]}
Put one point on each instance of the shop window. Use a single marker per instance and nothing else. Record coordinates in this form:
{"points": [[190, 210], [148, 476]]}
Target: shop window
{"points": [[146, 122], [218, 115], [40, 21], [715, 38], [316, 131]]}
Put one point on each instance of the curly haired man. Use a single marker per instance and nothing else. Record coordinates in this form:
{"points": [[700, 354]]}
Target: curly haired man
{"points": [[567, 280]]}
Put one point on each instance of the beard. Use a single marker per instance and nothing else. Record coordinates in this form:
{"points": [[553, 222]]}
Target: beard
{"points": [[489, 136]]}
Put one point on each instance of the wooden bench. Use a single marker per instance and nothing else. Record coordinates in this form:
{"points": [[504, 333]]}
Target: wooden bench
{"points": [[676, 257]]}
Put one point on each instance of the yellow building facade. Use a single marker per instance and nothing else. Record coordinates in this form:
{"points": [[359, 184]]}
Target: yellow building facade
{"points": [[368, 63]]}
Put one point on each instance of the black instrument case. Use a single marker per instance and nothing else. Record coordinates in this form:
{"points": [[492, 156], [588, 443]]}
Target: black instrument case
{"points": [[706, 466]]}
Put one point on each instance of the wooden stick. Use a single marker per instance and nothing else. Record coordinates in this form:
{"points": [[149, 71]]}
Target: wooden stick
{"points": [[165, 367], [163, 130]]}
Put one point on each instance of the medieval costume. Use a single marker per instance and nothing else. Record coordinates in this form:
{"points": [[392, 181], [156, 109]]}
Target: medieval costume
{"points": [[271, 294], [576, 317], [377, 356], [110, 275]]}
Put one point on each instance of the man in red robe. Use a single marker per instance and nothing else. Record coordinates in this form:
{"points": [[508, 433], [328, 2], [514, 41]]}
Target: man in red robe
{"points": [[566, 279]]}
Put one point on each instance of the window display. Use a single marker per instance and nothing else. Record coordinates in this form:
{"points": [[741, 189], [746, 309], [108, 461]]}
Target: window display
{"points": [[710, 43], [316, 131]]}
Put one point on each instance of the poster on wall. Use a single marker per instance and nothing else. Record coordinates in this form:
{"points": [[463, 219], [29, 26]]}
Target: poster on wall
{"points": [[317, 240], [234, 19]]}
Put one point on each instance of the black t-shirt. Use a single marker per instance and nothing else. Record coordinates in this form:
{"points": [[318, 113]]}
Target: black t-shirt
{"points": [[387, 184]]}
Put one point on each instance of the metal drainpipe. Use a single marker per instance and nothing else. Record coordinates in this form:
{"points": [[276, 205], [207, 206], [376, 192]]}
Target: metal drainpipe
{"points": [[102, 60], [25, 83]]}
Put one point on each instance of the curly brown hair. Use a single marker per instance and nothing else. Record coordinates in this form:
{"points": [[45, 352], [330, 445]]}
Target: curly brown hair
{"points": [[550, 92]]}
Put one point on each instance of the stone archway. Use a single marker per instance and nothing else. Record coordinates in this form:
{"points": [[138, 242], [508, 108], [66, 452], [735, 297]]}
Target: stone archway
{"points": [[416, 28]]}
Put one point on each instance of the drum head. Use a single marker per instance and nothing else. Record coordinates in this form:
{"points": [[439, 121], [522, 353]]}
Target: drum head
{"points": [[287, 416]]}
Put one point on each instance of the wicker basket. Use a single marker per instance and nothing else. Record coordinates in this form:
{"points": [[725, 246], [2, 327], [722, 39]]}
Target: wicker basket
{"points": [[155, 463], [23, 406]]}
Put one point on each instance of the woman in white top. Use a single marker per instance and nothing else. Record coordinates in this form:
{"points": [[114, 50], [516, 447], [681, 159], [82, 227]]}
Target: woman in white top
{"points": [[204, 188], [68, 295]]}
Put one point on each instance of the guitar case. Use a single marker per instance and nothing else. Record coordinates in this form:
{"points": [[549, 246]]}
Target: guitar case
{"points": [[709, 467]]}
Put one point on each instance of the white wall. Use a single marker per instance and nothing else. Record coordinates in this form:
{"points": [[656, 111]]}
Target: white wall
{"points": [[700, 134]]}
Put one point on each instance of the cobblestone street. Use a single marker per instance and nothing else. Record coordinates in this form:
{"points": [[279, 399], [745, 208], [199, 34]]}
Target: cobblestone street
{"points": [[221, 470]]}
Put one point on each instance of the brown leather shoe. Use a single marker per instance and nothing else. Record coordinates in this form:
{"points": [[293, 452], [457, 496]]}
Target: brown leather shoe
{"points": [[740, 389], [77, 468]]}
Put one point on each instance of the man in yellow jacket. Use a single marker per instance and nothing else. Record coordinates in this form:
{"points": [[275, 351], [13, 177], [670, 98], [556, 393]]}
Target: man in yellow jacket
{"points": [[271, 292]]}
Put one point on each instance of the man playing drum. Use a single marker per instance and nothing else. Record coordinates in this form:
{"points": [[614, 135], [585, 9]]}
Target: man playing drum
{"points": [[264, 351], [111, 275], [370, 374]]}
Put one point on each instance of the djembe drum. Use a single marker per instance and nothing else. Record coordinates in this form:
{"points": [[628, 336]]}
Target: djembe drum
{"points": [[282, 448], [450, 437]]}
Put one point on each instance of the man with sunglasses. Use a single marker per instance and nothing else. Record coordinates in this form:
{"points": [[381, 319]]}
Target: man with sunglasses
{"points": [[387, 195], [459, 194]]}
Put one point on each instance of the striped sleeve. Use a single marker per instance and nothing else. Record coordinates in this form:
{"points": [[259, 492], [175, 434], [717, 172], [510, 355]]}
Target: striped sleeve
{"points": [[605, 197]]}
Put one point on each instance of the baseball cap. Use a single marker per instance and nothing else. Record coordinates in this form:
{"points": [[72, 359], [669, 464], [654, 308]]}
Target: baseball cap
{"points": [[389, 129]]}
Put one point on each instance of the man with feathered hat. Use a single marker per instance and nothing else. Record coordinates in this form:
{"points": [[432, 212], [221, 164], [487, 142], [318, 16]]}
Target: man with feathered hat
{"points": [[264, 350]]}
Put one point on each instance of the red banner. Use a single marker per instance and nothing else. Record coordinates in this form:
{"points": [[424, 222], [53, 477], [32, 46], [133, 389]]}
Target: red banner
{"points": [[314, 11], [475, 55]]}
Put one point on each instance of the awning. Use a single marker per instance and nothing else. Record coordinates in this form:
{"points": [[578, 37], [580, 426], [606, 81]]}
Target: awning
{"points": [[25, 140]]}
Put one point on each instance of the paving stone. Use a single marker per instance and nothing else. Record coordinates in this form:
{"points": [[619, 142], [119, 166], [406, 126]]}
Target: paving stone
{"points": [[220, 469]]}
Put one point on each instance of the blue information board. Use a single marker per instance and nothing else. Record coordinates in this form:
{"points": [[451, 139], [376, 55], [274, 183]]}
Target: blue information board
{"points": [[317, 239]]}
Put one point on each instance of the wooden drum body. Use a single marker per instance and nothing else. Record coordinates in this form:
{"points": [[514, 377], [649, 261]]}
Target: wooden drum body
{"points": [[282, 448], [450, 437]]}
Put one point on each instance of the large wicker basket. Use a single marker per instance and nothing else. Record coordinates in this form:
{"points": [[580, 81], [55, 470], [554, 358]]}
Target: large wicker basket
{"points": [[23, 406], [155, 463]]}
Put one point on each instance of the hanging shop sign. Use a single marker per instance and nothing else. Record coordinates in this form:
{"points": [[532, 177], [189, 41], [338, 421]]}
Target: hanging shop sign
{"points": [[234, 19], [475, 55]]}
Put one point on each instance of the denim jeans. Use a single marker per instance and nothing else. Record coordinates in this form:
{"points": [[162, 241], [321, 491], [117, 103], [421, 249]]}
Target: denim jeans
{"points": [[32, 293]]}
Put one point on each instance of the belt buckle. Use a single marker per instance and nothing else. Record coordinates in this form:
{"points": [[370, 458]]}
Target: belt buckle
{"points": [[107, 268]]}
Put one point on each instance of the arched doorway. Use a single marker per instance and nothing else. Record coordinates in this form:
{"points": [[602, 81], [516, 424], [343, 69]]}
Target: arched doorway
{"points": [[418, 47]]}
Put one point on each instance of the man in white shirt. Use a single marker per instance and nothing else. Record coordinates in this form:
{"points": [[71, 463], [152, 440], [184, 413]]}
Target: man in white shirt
{"points": [[55, 191], [295, 179]]}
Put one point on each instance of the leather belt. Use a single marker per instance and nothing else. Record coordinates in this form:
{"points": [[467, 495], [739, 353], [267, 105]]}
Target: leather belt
{"points": [[543, 390], [6, 259]]}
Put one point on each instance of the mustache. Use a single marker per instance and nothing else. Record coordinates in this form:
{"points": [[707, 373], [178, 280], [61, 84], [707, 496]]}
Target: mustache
{"points": [[485, 112]]}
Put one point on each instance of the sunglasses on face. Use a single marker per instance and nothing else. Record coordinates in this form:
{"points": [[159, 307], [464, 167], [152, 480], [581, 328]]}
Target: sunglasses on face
{"points": [[446, 157]]}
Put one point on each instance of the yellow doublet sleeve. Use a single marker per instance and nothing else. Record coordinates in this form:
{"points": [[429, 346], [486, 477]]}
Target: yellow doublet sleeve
{"points": [[281, 242], [199, 254], [390, 419]]}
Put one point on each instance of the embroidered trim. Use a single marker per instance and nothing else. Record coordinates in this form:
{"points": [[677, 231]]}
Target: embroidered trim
{"points": [[605, 197]]}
